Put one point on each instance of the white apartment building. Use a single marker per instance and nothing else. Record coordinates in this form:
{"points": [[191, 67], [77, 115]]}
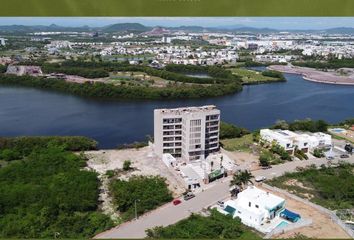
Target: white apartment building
{"points": [[289, 140], [189, 133]]}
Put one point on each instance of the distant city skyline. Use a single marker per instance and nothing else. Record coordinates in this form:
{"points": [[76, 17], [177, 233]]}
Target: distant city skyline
{"points": [[280, 23]]}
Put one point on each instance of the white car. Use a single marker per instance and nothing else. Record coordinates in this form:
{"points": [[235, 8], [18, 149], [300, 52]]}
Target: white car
{"points": [[260, 178]]}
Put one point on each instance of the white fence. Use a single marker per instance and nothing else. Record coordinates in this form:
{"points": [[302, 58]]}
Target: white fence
{"points": [[333, 216]]}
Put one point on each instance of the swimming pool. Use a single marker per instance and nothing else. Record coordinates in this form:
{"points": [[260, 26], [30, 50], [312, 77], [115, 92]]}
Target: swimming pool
{"points": [[282, 224], [337, 130]]}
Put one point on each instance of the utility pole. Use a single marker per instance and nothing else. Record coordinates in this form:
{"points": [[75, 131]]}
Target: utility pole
{"points": [[136, 212]]}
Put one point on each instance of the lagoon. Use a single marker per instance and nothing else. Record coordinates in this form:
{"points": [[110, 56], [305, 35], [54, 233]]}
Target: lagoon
{"points": [[28, 111]]}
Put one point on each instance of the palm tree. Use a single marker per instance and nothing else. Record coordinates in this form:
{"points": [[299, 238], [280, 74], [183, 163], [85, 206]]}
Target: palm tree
{"points": [[241, 178]]}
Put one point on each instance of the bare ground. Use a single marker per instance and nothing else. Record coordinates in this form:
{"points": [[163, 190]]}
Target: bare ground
{"points": [[244, 160], [322, 227], [144, 162]]}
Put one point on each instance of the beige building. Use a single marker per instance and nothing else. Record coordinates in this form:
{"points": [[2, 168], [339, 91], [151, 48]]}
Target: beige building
{"points": [[190, 133]]}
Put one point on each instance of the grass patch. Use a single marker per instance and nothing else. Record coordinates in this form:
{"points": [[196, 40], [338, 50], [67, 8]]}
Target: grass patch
{"points": [[238, 144], [251, 76]]}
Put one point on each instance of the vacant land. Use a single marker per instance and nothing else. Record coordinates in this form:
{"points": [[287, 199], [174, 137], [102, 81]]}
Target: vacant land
{"points": [[137, 78], [332, 188], [251, 76], [322, 226]]}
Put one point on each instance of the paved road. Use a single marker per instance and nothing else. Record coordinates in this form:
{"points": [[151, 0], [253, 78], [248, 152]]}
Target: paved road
{"points": [[169, 214]]}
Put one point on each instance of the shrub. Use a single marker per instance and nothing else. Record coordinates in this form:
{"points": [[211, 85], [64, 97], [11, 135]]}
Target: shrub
{"points": [[148, 192], [228, 130], [127, 165]]}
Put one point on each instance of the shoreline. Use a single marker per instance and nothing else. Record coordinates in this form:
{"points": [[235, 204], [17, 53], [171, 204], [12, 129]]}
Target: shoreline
{"points": [[314, 75]]}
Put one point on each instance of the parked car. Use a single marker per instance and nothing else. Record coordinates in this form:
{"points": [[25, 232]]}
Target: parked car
{"points": [[344, 156], [260, 178], [266, 167], [329, 158], [188, 196], [176, 202]]}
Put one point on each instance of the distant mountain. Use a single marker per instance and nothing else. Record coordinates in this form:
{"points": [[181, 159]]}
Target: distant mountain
{"points": [[121, 27], [340, 30], [253, 30], [52, 27], [137, 27], [157, 31], [231, 26], [188, 28]]}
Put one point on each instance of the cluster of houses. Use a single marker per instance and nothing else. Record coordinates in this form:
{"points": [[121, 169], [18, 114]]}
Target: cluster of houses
{"points": [[24, 70], [290, 140]]}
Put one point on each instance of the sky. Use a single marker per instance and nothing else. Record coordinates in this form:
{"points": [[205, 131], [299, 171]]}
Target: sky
{"points": [[281, 23]]}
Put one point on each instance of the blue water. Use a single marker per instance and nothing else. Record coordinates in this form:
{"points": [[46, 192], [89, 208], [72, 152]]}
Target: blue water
{"points": [[198, 75], [27, 111], [282, 224]]}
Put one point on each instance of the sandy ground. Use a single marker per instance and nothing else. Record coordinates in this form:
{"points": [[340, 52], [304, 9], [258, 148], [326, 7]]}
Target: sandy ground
{"points": [[322, 226], [143, 161], [314, 75]]}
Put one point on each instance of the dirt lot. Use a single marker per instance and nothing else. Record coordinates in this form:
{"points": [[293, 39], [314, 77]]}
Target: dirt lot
{"points": [[143, 161], [322, 226], [244, 160]]}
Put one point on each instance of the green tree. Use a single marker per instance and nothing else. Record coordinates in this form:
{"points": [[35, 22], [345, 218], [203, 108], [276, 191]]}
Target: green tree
{"points": [[228, 130], [241, 178], [127, 165]]}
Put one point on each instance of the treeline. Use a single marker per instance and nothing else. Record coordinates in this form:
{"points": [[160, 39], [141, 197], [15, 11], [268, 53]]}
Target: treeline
{"points": [[251, 63], [347, 122], [228, 130], [110, 91], [302, 125], [215, 226], [79, 71], [330, 64], [3, 68], [172, 73], [18, 147], [48, 195], [274, 74], [212, 71]]}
